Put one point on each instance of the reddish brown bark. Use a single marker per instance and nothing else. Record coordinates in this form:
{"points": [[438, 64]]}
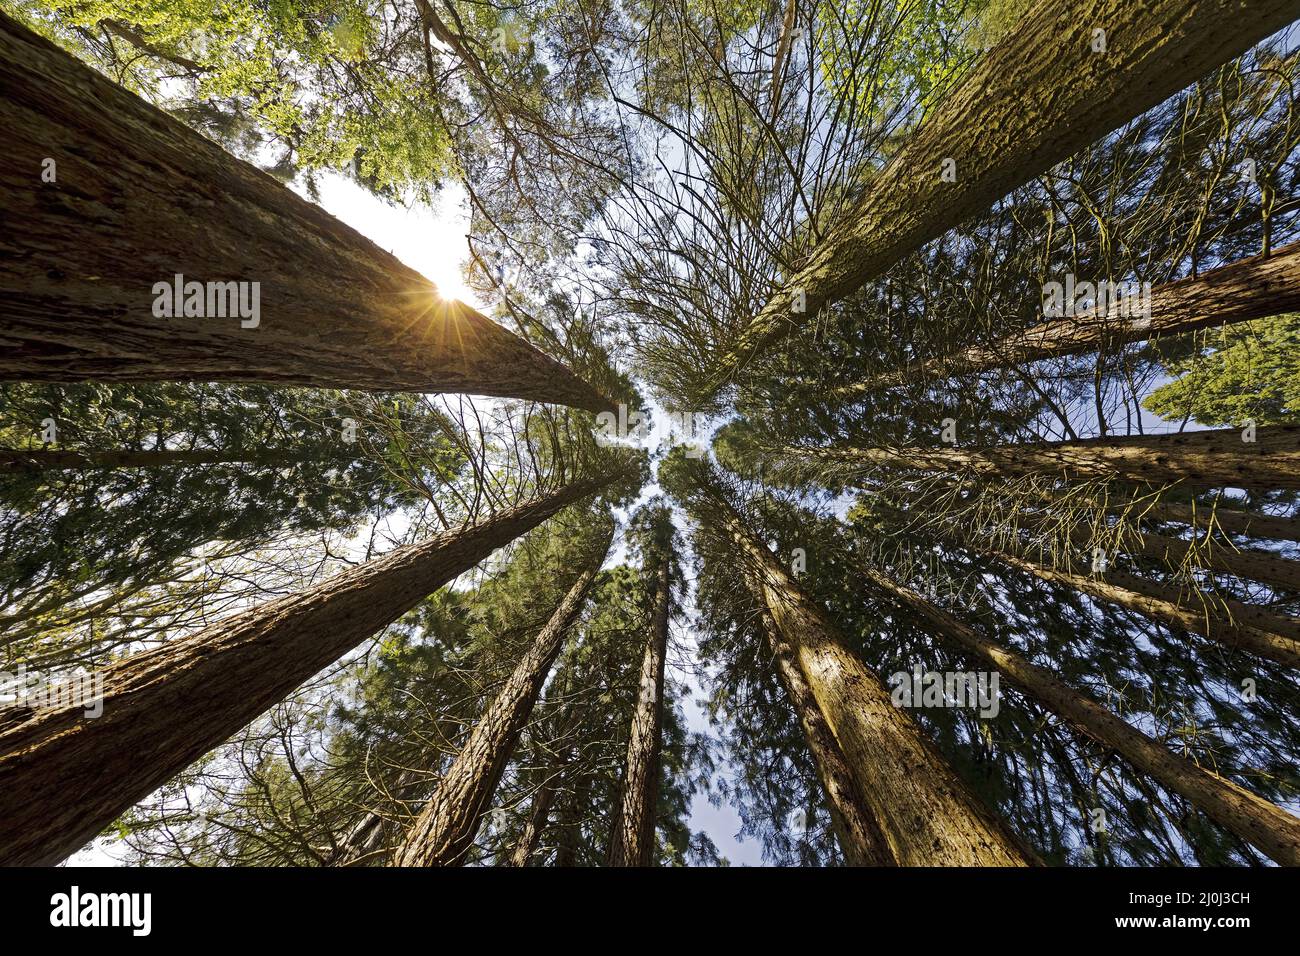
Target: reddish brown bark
{"points": [[140, 198], [1251, 289], [445, 829], [1204, 459], [927, 815], [63, 776], [633, 840], [1254, 819], [856, 829], [1040, 95]]}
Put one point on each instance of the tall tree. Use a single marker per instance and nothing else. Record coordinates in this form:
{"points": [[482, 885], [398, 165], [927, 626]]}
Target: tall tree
{"points": [[632, 842], [446, 828], [927, 814], [1263, 824], [166, 707], [329, 308], [1049, 87]]}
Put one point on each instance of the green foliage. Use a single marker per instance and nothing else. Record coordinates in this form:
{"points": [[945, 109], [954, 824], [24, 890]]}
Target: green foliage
{"points": [[1240, 373]]}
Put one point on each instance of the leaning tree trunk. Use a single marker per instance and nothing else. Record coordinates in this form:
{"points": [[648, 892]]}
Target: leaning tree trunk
{"points": [[138, 199], [538, 815], [1202, 459], [927, 814], [1037, 97], [1248, 563], [1252, 818], [166, 707], [1218, 618], [633, 840], [856, 830], [444, 831], [51, 459], [1207, 518], [1251, 289]]}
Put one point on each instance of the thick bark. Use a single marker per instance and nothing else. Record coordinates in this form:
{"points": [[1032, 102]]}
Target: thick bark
{"points": [[445, 829], [52, 459], [633, 840], [1252, 818], [1040, 95], [64, 777], [1221, 619], [1204, 459], [140, 198], [856, 830], [927, 814], [1251, 289]]}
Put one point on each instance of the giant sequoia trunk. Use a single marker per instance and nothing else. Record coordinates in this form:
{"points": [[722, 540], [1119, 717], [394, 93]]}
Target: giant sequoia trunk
{"points": [[51, 459], [927, 815], [1251, 289], [445, 829], [633, 840], [64, 777], [1221, 619], [1254, 819], [1040, 95], [1205, 459], [140, 198], [856, 830]]}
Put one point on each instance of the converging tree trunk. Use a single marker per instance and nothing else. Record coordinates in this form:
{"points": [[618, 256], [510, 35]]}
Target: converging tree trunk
{"points": [[1254, 819], [1066, 74], [445, 829], [538, 815], [64, 776], [1219, 618], [1254, 288], [1206, 518], [135, 249], [927, 815], [856, 830], [633, 840], [1266, 459]]}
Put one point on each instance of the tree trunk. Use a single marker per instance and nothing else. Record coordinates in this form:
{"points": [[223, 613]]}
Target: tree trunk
{"points": [[1254, 288], [1247, 563], [537, 817], [856, 829], [445, 830], [140, 198], [927, 814], [1221, 619], [1254, 819], [51, 459], [570, 824], [1205, 518], [633, 840], [166, 707], [1037, 97], [1198, 459]]}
